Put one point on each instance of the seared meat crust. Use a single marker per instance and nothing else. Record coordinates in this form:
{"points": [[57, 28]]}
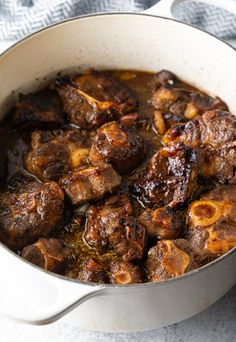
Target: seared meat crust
{"points": [[40, 108], [215, 134], [88, 183], [92, 271], [169, 258], [120, 146], [102, 217], [163, 223], [53, 153], [33, 211], [127, 238], [110, 224], [47, 253], [170, 178], [93, 98]]}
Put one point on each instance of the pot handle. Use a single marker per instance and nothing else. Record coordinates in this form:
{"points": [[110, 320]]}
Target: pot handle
{"points": [[30, 295], [165, 7]]}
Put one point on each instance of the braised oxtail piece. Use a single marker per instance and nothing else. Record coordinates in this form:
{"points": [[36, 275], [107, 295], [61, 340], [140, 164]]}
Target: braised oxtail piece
{"points": [[92, 271], [123, 273], [38, 109], [212, 222], [102, 217], [168, 259], [89, 183], [53, 153], [128, 238], [214, 133], [116, 144], [170, 178], [49, 254], [93, 98], [110, 224], [163, 223], [30, 212]]}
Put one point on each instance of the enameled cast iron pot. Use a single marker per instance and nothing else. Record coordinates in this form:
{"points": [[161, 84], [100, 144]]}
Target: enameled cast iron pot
{"points": [[116, 41]]}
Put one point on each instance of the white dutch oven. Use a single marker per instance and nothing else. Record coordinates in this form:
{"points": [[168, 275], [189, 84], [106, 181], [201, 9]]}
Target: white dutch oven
{"points": [[116, 41]]}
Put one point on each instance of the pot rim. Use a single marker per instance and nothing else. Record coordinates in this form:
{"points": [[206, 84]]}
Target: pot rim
{"points": [[99, 14], [108, 286]]}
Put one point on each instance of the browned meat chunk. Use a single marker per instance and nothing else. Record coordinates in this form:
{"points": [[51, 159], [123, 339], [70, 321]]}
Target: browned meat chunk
{"points": [[47, 253], [43, 107], [92, 271], [214, 128], [93, 98], [119, 146], [164, 77], [163, 223], [124, 273], [127, 238], [212, 222], [109, 225], [170, 178], [102, 217], [173, 103], [169, 258], [183, 102], [215, 133], [88, 183], [31, 212], [53, 153]]}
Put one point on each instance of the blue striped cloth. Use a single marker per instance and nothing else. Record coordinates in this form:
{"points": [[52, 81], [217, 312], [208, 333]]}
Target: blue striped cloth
{"points": [[18, 18]]}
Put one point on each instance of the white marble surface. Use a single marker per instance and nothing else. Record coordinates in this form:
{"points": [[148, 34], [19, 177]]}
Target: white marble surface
{"points": [[216, 324]]}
